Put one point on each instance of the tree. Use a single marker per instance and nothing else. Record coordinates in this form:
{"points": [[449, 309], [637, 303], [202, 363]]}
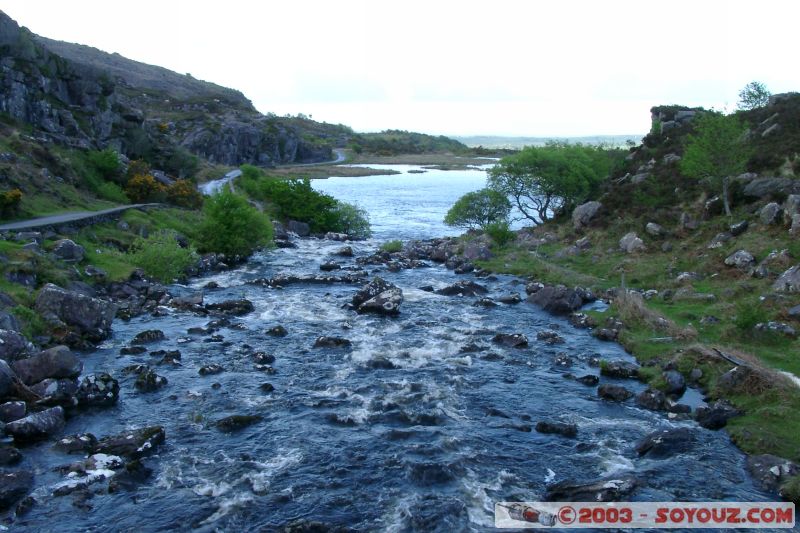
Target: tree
{"points": [[716, 151], [232, 226], [755, 94], [478, 209], [545, 181]]}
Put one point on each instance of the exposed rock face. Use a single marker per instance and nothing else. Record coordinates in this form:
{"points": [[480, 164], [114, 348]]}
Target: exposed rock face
{"points": [[631, 243], [378, 297], [88, 317], [584, 214]]}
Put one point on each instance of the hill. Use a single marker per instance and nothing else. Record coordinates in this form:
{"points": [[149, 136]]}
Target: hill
{"points": [[495, 142]]}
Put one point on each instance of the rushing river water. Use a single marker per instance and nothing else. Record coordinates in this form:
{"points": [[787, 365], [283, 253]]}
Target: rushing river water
{"points": [[421, 426]]}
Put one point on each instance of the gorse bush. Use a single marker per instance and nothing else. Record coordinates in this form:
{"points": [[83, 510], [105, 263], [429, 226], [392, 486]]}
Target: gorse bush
{"points": [[232, 226], [145, 188], [161, 257], [183, 193], [9, 203]]}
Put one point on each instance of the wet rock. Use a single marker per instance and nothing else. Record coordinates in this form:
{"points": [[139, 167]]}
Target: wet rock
{"points": [[232, 307], [589, 380], [148, 381], [132, 350], [304, 525], [585, 214], [9, 456], [378, 297], [11, 411], [97, 390], [464, 268], [558, 300], [14, 486], [511, 340], [606, 334], [558, 428], [86, 316], [37, 426], [236, 422], [58, 362], [619, 369], [263, 358], [211, 285], [148, 336], [67, 250], [631, 243], [190, 301], [83, 443], [770, 472], [550, 337], [484, 302], [463, 288], [582, 320], [266, 388], [330, 266], [13, 345], [652, 399], [739, 228], [607, 391], [277, 331], [11, 385], [666, 443], [133, 444], [134, 474], [675, 384], [56, 391], [789, 281], [716, 415], [284, 280], [510, 299], [301, 229], [603, 490], [345, 251], [332, 342], [210, 370], [741, 259]]}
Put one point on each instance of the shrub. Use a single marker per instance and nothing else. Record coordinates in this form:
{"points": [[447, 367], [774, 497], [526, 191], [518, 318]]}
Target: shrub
{"points": [[392, 246], [500, 233], [232, 226], [137, 167], [351, 219], [9, 202], [478, 209], [183, 193], [161, 257], [145, 188], [106, 163], [747, 316]]}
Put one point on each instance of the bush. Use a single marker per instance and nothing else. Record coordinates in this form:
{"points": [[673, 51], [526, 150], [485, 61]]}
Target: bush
{"points": [[232, 226], [351, 219], [161, 257], [9, 203], [500, 233], [747, 316], [392, 246], [183, 193], [144, 188], [478, 209], [106, 163], [137, 167]]}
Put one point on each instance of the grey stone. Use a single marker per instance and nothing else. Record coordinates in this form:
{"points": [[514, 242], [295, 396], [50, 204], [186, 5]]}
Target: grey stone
{"points": [[603, 490], [666, 443], [771, 213], [132, 443], [299, 228], [58, 362], [770, 471], [675, 384], [654, 229], [738, 228], [13, 345], [615, 393], [619, 369], [765, 187], [14, 485], [97, 390], [584, 214], [789, 281], [67, 250], [475, 250], [11, 411], [89, 317], [558, 300], [741, 259], [37, 426], [631, 243]]}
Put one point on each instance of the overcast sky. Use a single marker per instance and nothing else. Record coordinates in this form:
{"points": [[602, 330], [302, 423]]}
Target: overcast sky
{"points": [[532, 68]]}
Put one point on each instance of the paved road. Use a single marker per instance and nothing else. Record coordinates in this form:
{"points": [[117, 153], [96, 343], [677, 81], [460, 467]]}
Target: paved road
{"points": [[65, 218]]}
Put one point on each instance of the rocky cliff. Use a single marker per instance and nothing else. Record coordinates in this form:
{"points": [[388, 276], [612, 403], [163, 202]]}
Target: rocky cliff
{"points": [[78, 96]]}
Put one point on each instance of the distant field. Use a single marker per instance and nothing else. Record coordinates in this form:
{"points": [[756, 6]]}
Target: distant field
{"points": [[488, 141]]}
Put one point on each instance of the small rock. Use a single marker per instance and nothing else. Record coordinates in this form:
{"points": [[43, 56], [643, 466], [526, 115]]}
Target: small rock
{"points": [[619, 369], [604, 490], [277, 331], [741, 259], [148, 381], [83, 444], [13, 487], [515, 340], [675, 385], [665, 443], [589, 380], [716, 416], [232, 307], [148, 336], [67, 250], [771, 214], [97, 390], [210, 370], [558, 428], [330, 266], [266, 387], [550, 337], [655, 229], [332, 342], [463, 288], [631, 243], [345, 251], [770, 472], [9, 455], [739, 228], [236, 422], [615, 393], [652, 399], [132, 443], [11, 411]]}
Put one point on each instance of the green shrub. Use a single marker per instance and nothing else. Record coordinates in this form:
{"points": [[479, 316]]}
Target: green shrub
{"points": [[478, 209], [392, 246], [106, 163], [110, 191], [747, 316], [161, 257], [232, 226], [33, 325], [500, 233], [352, 220]]}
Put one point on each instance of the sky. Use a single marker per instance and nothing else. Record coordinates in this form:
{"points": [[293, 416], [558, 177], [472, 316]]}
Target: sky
{"points": [[499, 67]]}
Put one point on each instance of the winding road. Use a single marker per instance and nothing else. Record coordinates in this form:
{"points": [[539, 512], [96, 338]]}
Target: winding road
{"points": [[69, 218]]}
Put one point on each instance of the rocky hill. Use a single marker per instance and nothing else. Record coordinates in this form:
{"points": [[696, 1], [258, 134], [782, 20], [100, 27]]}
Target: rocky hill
{"points": [[80, 97]]}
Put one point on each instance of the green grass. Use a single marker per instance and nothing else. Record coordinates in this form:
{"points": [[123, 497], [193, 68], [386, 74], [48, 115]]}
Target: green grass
{"points": [[392, 246]]}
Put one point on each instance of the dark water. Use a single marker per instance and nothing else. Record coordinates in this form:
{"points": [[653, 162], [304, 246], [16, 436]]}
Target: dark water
{"points": [[405, 432]]}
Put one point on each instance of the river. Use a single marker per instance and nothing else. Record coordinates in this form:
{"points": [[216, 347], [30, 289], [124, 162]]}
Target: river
{"points": [[421, 426]]}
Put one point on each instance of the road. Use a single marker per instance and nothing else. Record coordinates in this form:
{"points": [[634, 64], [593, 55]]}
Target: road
{"points": [[66, 218], [215, 186]]}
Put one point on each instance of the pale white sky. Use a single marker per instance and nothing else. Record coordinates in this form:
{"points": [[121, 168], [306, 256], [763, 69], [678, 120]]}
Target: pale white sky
{"points": [[496, 67]]}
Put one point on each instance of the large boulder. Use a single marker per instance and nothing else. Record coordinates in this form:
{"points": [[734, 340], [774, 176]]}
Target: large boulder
{"points": [[584, 214], [771, 214], [558, 299], [88, 317], [770, 187], [67, 250], [665, 443], [11, 385], [58, 362], [477, 250], [789, 281], [379, 297], [770, 471], [741, 259], [631, 243], [37, 426], [13, 345], [97, 390]]}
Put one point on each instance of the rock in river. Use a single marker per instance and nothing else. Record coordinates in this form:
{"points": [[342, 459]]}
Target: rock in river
{"points": [[615, 393], [665, 443], [232, 307], [515, 340], [463, 288], [379, 297], [37, 426], [57, 362], [236, 422], [558, 428], [619, 369], [13, 487], [133, 443], [332, 342], [603, 490]]}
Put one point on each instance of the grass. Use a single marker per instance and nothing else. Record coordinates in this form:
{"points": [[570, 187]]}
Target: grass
{"points": [[392, 246]]}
